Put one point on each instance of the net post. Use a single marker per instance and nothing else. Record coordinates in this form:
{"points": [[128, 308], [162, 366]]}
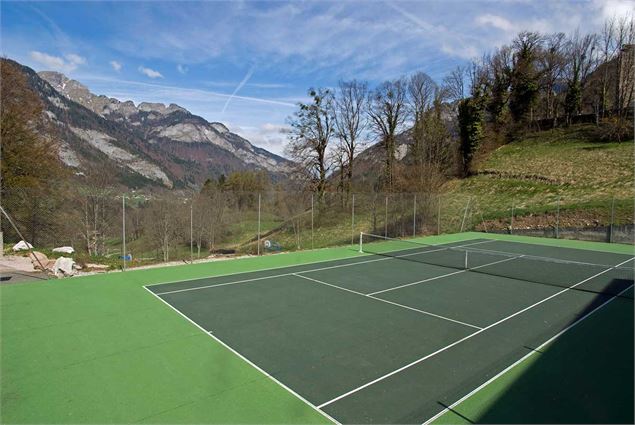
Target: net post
{"points": [[465, 265], [361, 234], [123, 231], [312, 212]]}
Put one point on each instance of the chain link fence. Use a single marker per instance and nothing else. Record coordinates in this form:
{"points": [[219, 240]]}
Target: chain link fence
{"points": [[115, 230]]}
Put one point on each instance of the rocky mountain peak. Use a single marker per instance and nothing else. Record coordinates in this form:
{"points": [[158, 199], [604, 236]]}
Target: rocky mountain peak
{"points": [[65, 85], [162, 143], [160, 108], [220, 127]]}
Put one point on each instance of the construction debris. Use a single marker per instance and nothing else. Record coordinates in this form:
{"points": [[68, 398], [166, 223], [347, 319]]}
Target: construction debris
{"points": [[22, 246], [64, 267], [64, 249]]}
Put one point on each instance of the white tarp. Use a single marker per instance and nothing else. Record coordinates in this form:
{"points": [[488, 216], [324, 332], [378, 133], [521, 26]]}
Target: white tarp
{"points": [[64, 249], [22, 246], [64, 267]]}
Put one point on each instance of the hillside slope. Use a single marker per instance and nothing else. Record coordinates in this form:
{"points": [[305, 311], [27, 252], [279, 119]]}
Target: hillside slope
{"points": [[569, 167]]}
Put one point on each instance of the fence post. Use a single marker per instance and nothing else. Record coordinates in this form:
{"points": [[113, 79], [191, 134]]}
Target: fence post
{"points": [[353, 221], [467, 208], [612, 220], [312, 220], [386, 219], [414, 217], [511, 224], [123, 230], [558, 218], [438, 214], [258, 248], [192, 230]]}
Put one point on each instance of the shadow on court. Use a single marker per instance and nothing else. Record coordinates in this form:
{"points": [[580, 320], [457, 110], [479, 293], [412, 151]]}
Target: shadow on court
{"points": [[584, 376]]}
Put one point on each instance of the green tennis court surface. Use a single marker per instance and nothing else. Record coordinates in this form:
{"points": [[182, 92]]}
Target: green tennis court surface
{"points": [[396, 336], [401, 334]]}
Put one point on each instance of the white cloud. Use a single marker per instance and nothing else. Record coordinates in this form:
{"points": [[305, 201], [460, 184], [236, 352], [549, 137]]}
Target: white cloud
{"points": [[116, 65], [270, 136], [182, 69], [68, 63], [463, 52], [75, 59], [150, 72], [495, 21], [615, 8]]}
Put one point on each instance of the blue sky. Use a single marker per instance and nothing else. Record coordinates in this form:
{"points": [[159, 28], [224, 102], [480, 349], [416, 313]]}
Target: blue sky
{"points": [[246, 63]]}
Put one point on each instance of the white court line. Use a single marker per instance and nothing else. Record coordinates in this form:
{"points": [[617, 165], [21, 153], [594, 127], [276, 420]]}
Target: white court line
{"points": [[326, 415], [286, 267], [313, 270], [443, 275], [525, 357], [381, 378], [389, 302]]}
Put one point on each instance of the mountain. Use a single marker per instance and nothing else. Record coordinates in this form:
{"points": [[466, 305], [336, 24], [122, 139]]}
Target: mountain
{"points": [[148, 144]]}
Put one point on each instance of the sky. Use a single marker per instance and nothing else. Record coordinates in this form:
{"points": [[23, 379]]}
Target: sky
{"points": [[247, 63]]}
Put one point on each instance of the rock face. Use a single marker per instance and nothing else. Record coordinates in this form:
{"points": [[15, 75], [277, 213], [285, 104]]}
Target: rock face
{"points": [[104, 143], [165, 145]]}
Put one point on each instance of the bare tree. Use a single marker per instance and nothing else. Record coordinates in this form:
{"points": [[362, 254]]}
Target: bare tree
{"points": [[312, 127], [580, 62], [454, 84], [350, 122], [551, 61], [624, 30], [163, 226], [608, 51], [422, 93], [387, 111]]}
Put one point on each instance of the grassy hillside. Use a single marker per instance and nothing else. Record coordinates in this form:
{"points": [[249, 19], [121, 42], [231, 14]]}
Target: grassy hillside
{"points": [[567, 176], [569, 165]]}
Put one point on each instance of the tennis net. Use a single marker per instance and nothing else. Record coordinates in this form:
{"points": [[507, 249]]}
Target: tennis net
{"points": [[598, 278]]}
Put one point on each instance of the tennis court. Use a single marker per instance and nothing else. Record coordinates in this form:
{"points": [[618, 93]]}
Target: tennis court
{"points": [[403, 329]]}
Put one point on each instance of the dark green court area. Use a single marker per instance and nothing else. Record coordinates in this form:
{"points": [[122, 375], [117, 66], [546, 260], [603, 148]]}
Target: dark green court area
{"points": [[402, 333]]}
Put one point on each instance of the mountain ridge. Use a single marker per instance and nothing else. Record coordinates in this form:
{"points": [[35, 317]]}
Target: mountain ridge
{"points": [[149, 144]]}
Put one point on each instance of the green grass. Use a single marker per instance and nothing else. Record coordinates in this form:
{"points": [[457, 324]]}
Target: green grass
{"points": [[565, 164], [100, 349]]}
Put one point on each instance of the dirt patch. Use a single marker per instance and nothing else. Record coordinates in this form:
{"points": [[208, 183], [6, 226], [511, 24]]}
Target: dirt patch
{"points": [[517, 176], [583, 218]]}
